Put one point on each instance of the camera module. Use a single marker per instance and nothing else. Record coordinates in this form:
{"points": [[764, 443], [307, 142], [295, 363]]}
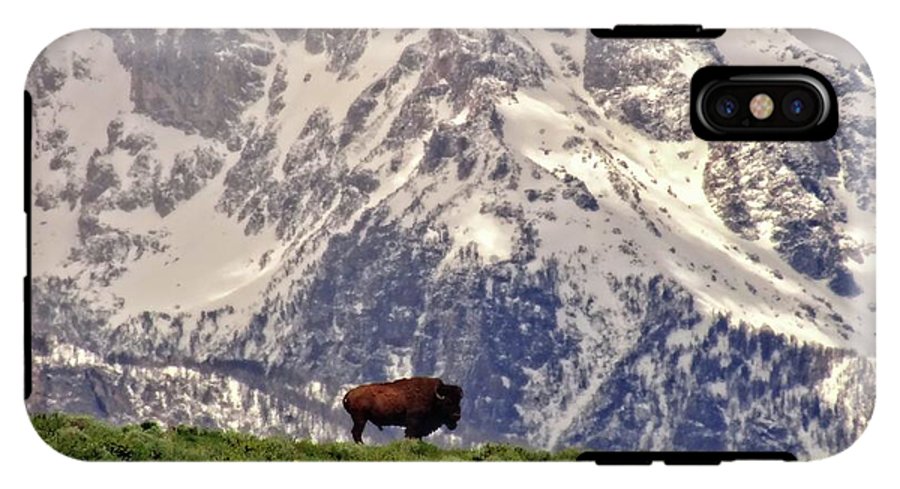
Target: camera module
{"points": [[762, 103]]}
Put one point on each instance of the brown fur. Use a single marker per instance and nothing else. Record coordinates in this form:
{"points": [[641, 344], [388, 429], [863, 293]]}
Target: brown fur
{"points": [[412, 403]]}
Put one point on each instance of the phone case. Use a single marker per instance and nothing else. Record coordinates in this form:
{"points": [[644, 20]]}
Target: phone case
{"points": [[241, 240]]}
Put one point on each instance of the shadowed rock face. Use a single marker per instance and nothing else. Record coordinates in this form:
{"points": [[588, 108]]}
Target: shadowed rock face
{"points": [[343, 47], [800, 205], [196, 80], [713, 385], [45, 79], [526, 213], [640, 82]]}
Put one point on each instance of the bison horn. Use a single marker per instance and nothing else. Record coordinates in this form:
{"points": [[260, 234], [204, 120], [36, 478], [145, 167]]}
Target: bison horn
{"points": [[439, 396]]}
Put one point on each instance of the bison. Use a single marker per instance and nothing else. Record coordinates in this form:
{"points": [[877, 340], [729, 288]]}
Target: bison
{"points": [[421, 404]]}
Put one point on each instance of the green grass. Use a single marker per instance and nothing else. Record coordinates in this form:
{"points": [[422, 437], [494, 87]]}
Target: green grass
{"points": [[85, 438]]}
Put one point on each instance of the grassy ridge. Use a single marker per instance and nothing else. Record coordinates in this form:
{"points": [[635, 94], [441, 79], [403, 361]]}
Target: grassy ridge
{"points": [[85, 438]]}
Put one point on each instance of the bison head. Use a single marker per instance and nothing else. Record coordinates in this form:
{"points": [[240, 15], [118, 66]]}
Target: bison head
{"points": [[447, 398]]}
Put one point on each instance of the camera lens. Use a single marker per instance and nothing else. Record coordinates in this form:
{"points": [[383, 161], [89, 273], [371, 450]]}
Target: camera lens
{"points": [[727, 106], [799, 106]]}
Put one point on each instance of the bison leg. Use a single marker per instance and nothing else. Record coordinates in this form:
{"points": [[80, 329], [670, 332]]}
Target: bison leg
{"points": [[359, 424], [420, 428], [412, 433], [414, 429]]}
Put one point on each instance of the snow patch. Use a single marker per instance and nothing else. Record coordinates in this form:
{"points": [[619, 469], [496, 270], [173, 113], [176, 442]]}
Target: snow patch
{"points": [[492, 237]]}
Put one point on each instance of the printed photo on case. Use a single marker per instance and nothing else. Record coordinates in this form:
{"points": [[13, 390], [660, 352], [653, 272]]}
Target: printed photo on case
{"points": [[440, 245]]}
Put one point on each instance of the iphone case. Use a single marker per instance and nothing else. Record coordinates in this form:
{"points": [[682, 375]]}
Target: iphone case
{"points": [[232, 230]]}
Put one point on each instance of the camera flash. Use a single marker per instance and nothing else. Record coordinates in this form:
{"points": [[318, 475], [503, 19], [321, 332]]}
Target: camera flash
{"points": [[762, 106]]}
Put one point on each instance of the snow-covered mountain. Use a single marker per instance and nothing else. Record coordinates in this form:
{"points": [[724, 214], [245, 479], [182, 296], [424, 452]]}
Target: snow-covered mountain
{"points": [[231, 228]]}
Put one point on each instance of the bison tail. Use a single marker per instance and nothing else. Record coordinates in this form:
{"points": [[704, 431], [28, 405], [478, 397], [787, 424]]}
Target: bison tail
{"points": [[345, 402]]}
